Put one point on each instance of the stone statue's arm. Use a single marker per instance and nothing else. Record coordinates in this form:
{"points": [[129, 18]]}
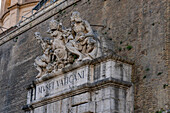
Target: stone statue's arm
{"points": [[67, 35], [89, 30]]}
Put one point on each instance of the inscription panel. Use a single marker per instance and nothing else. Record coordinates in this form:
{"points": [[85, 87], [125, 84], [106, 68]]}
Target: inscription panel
{"points": [[62, 83]]}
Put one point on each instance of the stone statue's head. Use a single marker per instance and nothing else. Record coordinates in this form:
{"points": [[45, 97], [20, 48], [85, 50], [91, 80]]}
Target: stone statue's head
{"points": [[47, 40], [54, 25], [37, 35], [76, 17]]}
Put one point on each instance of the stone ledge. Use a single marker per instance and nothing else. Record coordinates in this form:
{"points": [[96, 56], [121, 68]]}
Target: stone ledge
{"points": [[27, 107]]}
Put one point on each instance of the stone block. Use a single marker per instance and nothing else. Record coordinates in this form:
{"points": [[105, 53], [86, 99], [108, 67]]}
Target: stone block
{"points": [[83, 108], [103, 105], [42, 109], [80, 99], [109, 68], [54, 107], [97, 70], [127, 71], [65, 105], [74, 109], [115, 103], [101, 94], [117, 70]]}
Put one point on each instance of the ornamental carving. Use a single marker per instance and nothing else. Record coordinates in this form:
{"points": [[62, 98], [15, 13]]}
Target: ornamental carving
{"points": [[66, 46]]}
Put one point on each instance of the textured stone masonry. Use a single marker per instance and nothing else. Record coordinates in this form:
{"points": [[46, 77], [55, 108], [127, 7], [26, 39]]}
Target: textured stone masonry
{"points": [[138, 28]]}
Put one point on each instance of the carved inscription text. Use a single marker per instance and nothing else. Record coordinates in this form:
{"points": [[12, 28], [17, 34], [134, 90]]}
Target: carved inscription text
{"points": [[55, 84]]}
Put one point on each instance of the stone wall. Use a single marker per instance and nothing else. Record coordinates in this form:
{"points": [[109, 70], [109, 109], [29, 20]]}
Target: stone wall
{"points": [[139, 29]]}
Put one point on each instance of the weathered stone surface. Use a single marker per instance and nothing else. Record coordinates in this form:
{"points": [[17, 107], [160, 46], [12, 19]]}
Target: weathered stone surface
{"points": [[138, 28], [80, 99]]}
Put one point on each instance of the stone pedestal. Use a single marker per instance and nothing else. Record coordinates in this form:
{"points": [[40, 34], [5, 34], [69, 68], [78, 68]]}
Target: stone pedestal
{"points": [[102, 85]]}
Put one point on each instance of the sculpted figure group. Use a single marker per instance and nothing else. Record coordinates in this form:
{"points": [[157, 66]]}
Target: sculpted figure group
{"points": [[66, 46]]}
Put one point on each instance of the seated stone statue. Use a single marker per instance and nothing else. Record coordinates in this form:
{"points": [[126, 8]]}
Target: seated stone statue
{"points": [[82, 42], [42, 62], [58, 45]]}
